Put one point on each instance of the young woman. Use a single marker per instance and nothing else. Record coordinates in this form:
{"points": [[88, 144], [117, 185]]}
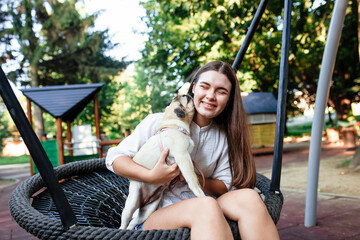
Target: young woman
{"points": [[222, 151]]}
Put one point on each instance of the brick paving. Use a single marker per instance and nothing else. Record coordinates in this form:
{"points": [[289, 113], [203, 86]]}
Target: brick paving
{"points": [[9, 229], [337, 216]]}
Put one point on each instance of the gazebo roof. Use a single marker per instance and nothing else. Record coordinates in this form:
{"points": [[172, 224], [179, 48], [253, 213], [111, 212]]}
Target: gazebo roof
{"points": [[64, 101], [259, 102]]}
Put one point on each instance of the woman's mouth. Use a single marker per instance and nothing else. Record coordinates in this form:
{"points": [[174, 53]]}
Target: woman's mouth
{"points": [[208, 106]]}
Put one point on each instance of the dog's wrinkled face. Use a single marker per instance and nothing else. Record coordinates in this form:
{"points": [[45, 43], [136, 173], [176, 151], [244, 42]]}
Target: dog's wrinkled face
{"points": [[181, 107]]}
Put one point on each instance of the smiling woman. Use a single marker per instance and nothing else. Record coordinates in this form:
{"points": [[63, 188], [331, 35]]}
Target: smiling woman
{"points": [[222, 152]]}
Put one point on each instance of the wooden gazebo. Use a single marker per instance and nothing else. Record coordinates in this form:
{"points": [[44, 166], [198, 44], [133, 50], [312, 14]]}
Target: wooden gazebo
{"points": [[64, 103]]}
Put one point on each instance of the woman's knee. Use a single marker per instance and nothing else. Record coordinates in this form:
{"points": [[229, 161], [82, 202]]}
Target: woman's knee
{"points": [[242, 202], [209, 218], [187, 213], [206, 203], [207, 207], [250, 200]]}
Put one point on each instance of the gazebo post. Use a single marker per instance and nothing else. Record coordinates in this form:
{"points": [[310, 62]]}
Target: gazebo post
{"points": [[60, 142], [69, 136], [97, 123], [29, 117]]}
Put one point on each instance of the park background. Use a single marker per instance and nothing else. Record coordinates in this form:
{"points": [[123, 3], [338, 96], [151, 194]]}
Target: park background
{"points": [[144, 52], [46, 43]]}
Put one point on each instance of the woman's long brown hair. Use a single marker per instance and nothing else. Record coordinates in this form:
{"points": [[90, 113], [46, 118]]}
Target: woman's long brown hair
{"points": [[233, 119]]}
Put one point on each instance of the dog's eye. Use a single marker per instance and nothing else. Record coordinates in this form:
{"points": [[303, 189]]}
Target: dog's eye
{"points": [[180, 113]]}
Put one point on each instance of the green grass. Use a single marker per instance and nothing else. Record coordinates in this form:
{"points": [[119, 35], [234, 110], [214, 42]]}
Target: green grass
{"points": [[14, 160], [345, 163], [301, 129]]}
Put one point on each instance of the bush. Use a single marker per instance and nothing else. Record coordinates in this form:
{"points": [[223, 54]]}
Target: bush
{"points": [[4, 133]]}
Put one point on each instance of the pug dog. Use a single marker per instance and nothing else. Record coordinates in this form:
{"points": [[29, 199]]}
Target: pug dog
{"points": [[174, 134]]}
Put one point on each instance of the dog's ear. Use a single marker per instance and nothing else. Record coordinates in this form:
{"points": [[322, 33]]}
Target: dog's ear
{"points": [[176, 98], [179, 113]]}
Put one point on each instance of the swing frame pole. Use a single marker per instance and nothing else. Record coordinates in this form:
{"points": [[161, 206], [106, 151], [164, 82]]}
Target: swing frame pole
{"points": [[322, 95], [249, 35], [283, 78], [281, 101], [37, 152]]}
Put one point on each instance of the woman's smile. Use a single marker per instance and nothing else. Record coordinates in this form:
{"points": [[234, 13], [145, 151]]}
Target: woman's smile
{"points": [[208, 105]]}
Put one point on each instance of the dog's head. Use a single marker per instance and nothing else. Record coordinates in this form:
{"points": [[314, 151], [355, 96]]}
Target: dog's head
{"points": [[181, 107]]}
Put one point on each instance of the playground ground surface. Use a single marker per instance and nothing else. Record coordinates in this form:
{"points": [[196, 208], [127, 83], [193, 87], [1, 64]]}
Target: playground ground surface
{"points": [[338, 206]]}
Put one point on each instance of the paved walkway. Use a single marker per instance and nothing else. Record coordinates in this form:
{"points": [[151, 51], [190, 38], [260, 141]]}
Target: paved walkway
{"points": [[337, 216], [9, 229]]}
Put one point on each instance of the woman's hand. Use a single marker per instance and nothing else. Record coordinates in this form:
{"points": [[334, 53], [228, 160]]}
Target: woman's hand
{"points": [[162, 172]]}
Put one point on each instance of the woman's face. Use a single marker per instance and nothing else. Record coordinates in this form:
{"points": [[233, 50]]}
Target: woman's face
{"points": [[211, 95]]}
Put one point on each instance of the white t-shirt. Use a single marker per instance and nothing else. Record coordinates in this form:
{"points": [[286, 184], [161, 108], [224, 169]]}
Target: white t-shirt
{"points": [[209, 153]]}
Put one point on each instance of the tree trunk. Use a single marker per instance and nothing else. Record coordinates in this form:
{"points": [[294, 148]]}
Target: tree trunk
{"points": [[355, 162], [38, 119], [38, 122], [358, 27], [342, 107]]}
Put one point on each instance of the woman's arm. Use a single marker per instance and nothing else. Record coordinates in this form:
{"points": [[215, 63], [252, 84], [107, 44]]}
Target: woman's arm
{"points": [[213, 187], [162, 173]]}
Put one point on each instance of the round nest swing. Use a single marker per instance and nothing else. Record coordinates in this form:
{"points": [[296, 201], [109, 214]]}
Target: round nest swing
{"points": [[97, 197]]}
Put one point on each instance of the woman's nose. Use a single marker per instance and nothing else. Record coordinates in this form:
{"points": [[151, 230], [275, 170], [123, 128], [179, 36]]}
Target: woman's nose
{"points": [[210, 94]]}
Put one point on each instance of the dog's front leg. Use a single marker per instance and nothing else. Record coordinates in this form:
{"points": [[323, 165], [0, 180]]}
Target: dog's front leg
{"points": [[131, 204], [186, 166], [144, 213]]}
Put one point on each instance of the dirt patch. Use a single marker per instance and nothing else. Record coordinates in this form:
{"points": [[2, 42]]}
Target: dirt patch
{"points": [[6, 182], [334, 178]]}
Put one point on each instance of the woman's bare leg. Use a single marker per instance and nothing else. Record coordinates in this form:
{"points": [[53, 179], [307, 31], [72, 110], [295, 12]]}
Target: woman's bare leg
{"points": [[247, 208], [202, 215]]}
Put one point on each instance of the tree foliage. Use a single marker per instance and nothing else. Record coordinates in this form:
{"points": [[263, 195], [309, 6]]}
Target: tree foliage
{"points": [[346, 79], [186, 34], [59, 46], [4, 124], [5, 31], [308, 39]]}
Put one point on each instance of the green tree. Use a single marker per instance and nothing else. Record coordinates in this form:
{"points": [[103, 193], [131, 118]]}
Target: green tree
{"points": [[308, 37], [4, 124], [5, 32], [132, 104], [307, 41], [346, 79], [186, 34], [58, 46], [4, 55]]}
